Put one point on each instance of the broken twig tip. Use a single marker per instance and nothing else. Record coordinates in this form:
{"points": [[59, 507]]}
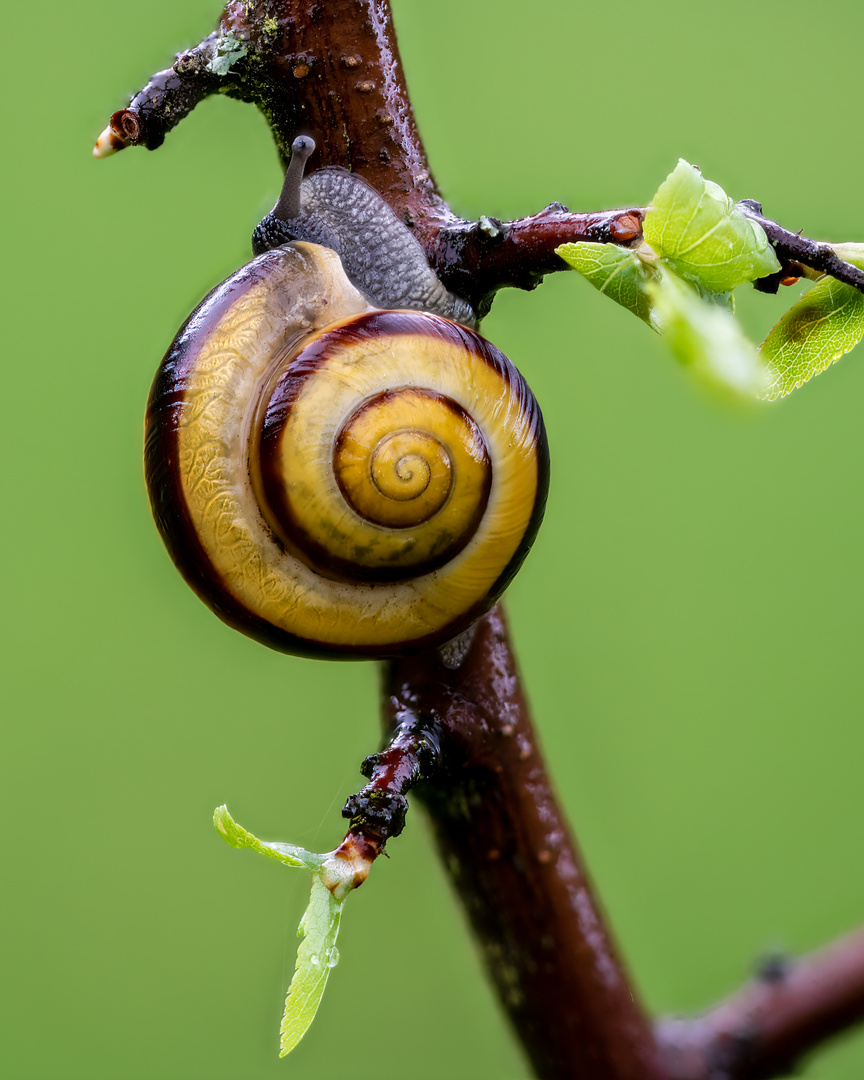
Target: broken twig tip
{"points": [[109, 142]]}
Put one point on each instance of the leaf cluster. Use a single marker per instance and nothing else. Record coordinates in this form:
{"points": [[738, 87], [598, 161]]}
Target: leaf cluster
{"points": [[698, 247]]}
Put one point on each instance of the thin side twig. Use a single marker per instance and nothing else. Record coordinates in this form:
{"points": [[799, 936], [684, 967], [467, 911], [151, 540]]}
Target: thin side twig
{"points": [[792, 248], [377, 813], [477, 258], [764, 1029]]}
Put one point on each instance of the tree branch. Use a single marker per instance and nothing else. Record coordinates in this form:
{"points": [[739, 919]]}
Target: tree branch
{"points": [[464, 736], [331, 69], [767, 1027], [507, 847]]}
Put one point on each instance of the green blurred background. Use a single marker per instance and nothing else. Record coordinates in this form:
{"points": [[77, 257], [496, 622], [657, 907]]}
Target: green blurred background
{"points": [[689, 623]]}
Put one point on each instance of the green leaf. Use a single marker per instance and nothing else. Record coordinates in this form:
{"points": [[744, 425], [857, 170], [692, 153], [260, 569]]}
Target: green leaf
{"points": [[695, 228], [332, 879], [237, 837], [826, 322], [316, 958], [617, 272], [705, 336], [852, 253]]}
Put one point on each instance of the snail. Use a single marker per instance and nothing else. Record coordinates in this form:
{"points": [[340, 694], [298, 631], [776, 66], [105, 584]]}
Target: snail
{"points": [[339, 465]]}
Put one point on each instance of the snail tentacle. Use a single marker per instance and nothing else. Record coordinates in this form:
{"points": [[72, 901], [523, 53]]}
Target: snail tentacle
{"points": [[288, 206], [380, 254]]}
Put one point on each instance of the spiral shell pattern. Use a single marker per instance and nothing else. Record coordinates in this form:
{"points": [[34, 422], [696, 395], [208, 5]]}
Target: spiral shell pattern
{"points": [[338, 480], [402, 473]]}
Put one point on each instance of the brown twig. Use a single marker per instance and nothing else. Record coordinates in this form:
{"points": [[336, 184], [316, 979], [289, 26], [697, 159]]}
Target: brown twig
{"points": [[792, 248], [477, 258], [764, 1030], [168, 98], [413, 753]]}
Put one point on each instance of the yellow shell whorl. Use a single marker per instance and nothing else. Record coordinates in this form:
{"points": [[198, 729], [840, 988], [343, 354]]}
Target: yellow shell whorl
{"points": [[391, 490], [391, 459]]}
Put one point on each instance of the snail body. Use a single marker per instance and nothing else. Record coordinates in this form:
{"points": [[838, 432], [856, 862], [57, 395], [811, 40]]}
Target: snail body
{"points": [[334, 478]]}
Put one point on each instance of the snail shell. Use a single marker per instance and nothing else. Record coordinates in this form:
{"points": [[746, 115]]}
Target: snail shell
{"points": [[330, 476], [333, 479]]}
